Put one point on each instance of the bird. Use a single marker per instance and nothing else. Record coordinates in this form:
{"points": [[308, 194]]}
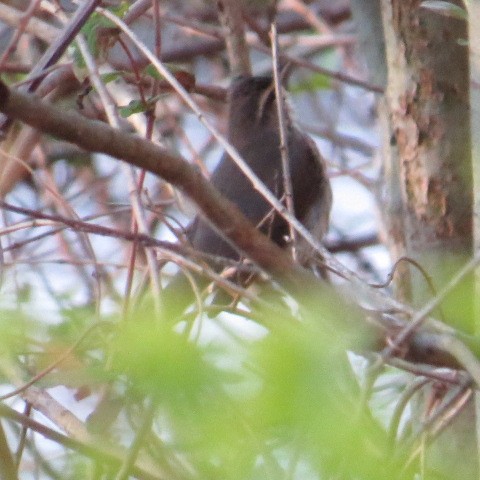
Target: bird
{"points": [[253, 129]]}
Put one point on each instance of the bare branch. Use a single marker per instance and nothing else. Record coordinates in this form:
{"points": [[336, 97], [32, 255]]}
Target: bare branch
{"points": [[8, 470], [230, 14], [98, 137], [90, 449]]}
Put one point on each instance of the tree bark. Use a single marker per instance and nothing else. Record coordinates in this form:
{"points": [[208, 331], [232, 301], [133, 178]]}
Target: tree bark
{"points": [[429, 157], [428, 103]]}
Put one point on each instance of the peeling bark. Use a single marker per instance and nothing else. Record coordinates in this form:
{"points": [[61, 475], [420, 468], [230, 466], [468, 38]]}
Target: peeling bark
{"points": [[430, 150], [428, 108]]}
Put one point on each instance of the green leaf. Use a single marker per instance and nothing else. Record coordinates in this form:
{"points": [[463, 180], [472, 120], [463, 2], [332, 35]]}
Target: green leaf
{"points": [[110, 77], [138, 106], [151, 71], [90, 30], [135, 106]]}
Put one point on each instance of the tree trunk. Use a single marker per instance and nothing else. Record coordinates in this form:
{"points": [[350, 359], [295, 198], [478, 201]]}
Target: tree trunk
{"points": [[428, 100], [429, 194], [474, 63]]}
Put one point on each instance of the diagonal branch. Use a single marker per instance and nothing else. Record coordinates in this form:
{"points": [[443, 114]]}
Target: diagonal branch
{"points": [[98, 137]]}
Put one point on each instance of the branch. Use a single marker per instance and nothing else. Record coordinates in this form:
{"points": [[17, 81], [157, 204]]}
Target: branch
{"points": [[95, 451], [230, 14], [98, 137], [8, 470], [43, 30]]}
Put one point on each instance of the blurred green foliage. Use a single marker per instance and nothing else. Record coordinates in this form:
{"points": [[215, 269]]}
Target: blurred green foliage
{"points": [[291, 404], [282, 403]]}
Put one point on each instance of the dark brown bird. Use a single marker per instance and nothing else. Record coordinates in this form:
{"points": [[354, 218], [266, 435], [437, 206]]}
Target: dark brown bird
{"points": [[253, 129]]}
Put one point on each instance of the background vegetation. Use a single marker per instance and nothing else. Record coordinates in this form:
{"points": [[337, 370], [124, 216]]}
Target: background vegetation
{"points": [[371, 376]]}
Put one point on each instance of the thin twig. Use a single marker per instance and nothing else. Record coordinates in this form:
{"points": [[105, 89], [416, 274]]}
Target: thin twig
{"points": [[230, 14], [92, 450], [280, 100], [52, 366], [96, 136], [310, 17], [337, 75], [36, 27], [145, 427], [57, 48], [462, 354], [332, 263], [402, 403], [135, 197], [8, 470], [62, 41], [22, 25], [443, 416], [83, 226], [23, 436], [342, 140], [430, 306], [168, 255], [452, 377], [244, 167]]}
